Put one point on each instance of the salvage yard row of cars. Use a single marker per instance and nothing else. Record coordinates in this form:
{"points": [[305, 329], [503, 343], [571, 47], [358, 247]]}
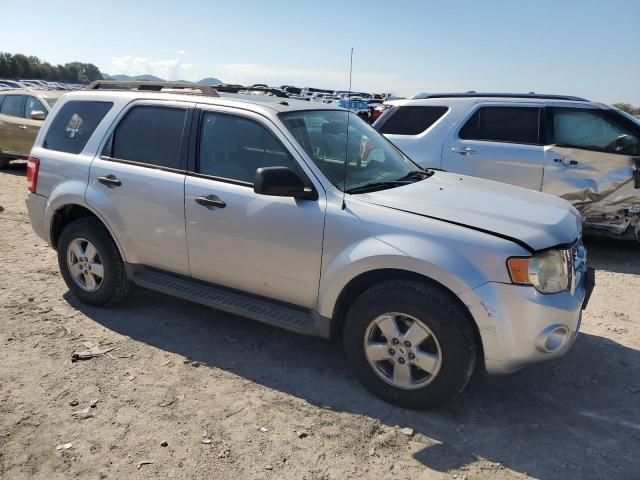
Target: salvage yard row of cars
{"points": [[301, 215]]}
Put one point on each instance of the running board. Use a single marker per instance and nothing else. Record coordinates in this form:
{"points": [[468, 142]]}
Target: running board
{"points": [[278, 315]]}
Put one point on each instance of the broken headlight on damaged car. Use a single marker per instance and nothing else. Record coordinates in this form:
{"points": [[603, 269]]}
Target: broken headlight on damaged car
{"points": [[548, 272]]}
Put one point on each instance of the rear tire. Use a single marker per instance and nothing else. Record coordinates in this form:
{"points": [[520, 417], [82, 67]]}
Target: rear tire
{"points": [[426, 373], [4, 162], [96, 279]]}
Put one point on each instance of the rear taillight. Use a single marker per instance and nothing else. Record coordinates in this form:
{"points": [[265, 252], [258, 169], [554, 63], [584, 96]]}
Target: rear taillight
{"points": [[33, 165]]}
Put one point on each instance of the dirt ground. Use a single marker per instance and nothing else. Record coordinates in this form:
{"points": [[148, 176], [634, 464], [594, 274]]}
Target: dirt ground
{"points": [[240, 400]]}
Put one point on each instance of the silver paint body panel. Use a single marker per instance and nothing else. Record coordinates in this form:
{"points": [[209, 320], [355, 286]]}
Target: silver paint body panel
{"points": [[456, 230]]}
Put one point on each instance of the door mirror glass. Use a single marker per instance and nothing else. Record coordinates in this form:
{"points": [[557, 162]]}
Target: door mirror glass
{"points": [[37, 115], [281, 182]]}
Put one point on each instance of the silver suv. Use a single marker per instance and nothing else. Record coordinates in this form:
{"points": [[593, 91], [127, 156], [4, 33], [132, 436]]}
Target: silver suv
{"points": [[585, 152], [304, 217]]}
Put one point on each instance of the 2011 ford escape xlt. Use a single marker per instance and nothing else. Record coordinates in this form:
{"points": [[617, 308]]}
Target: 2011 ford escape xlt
{"points": [[304, 217]]}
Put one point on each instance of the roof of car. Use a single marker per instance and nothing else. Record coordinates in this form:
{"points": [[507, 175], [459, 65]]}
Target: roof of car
{"points": [[36, 91], [530, 95], [247, 101], [471, 99]]}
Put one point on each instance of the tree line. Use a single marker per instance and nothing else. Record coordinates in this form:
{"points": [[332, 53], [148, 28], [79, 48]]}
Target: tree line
{"points": [[625, 107], [29, 67]]}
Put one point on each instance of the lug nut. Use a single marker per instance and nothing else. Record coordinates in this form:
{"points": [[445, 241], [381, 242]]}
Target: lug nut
{"points": [[401, 360], [411, 356], [407, 343], [392, 351], [395, 341]]}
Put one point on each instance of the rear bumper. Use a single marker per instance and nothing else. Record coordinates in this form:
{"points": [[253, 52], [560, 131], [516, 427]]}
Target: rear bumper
{"points": [[520, 326], [36, 205]]}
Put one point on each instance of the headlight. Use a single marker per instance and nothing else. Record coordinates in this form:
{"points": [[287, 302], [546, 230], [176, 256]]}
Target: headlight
{"points": [[548, 272]]}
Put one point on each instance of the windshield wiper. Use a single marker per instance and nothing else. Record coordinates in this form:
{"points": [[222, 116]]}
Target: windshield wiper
{"points": [[417, 175], [373, 186]]}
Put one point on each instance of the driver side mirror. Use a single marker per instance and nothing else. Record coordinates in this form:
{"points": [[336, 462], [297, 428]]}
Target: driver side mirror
{"points": [[282, 182], [37, 115]]}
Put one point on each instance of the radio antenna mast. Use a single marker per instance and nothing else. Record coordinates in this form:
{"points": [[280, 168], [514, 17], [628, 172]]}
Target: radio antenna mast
{"points": [[346, 148]]}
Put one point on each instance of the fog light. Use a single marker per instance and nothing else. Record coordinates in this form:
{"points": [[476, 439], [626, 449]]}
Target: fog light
{"points": [[552, 338]]}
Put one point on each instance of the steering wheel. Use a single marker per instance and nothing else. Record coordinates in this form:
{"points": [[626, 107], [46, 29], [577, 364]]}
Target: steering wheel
{"points": [[619, 144]]}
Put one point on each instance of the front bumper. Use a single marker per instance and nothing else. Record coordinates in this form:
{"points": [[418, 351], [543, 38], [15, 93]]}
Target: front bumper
{"points": [[519, 325]]}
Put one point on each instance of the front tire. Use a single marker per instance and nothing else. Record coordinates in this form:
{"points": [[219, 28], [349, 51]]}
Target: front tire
{"points": [[91, 264], [409, 343]]}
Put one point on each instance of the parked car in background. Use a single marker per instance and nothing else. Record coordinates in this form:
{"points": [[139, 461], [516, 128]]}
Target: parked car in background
{"points": [[357, 105], [243, 204], [12, 84], [585, 152], [22, 113]]}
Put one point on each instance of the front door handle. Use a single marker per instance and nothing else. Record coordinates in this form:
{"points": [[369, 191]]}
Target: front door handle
{"points": [[109, 181], [463, 150], [22, 127], [210, 201], [566, 162]]}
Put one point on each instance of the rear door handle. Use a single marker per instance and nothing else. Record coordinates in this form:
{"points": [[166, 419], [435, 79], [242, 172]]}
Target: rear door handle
{"points": [[109, 181], [463, 150], [210, 201], [22, 127]]}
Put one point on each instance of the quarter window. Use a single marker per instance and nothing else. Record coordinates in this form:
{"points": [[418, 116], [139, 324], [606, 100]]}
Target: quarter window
{"points": [[595, 130], [13, 105], [151, 135], [234, 147], [74, 124], [503, 124], [411, 120]]}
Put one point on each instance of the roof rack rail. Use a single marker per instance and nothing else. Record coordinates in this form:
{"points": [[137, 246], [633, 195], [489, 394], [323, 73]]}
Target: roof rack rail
{"points": [[151, 86], [239, 88], [472, 94]]}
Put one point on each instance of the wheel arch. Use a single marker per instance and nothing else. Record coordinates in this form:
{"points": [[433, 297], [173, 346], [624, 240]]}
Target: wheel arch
{"points": [[359, 284], [67, 213]]}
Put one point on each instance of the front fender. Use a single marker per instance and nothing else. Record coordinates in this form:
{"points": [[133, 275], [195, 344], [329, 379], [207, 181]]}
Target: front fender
{"points": [[457, 269]]}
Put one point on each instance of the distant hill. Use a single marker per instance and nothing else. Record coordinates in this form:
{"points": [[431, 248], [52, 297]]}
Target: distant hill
{"points": [[153, 78], [210, 81]]}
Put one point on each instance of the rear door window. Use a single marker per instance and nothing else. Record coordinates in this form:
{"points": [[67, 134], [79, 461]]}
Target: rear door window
{"points": [[504, 124], [411, 120], [151, 135], [13, 105], [233, 147], [74, 124]]}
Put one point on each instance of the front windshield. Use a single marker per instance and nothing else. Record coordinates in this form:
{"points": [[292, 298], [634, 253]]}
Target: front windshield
{"points": [[372, 160]]}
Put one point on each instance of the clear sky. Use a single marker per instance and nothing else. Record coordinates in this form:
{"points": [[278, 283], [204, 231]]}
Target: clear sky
{"points": [[580, 47]]}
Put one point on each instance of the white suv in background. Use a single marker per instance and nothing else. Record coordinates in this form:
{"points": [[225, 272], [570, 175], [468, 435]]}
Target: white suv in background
{"points": [[585, 152]]}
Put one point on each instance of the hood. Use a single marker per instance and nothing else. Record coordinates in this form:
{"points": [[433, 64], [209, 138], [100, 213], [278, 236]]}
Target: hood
{"points": [[532, 219]]}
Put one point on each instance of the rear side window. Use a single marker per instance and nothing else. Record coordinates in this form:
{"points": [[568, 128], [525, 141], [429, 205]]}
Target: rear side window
{"points": [[233, 147], [13, 105], [504, 124], [411, 120], [151, 135], [74, 124]]}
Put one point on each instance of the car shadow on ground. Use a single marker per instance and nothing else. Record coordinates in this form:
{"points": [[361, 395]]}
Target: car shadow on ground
{"points": [[620, 256], [16, 167], [575, 417]]}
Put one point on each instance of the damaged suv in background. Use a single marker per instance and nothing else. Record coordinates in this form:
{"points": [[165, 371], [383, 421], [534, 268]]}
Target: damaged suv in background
{"points": [[585, 152]]}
